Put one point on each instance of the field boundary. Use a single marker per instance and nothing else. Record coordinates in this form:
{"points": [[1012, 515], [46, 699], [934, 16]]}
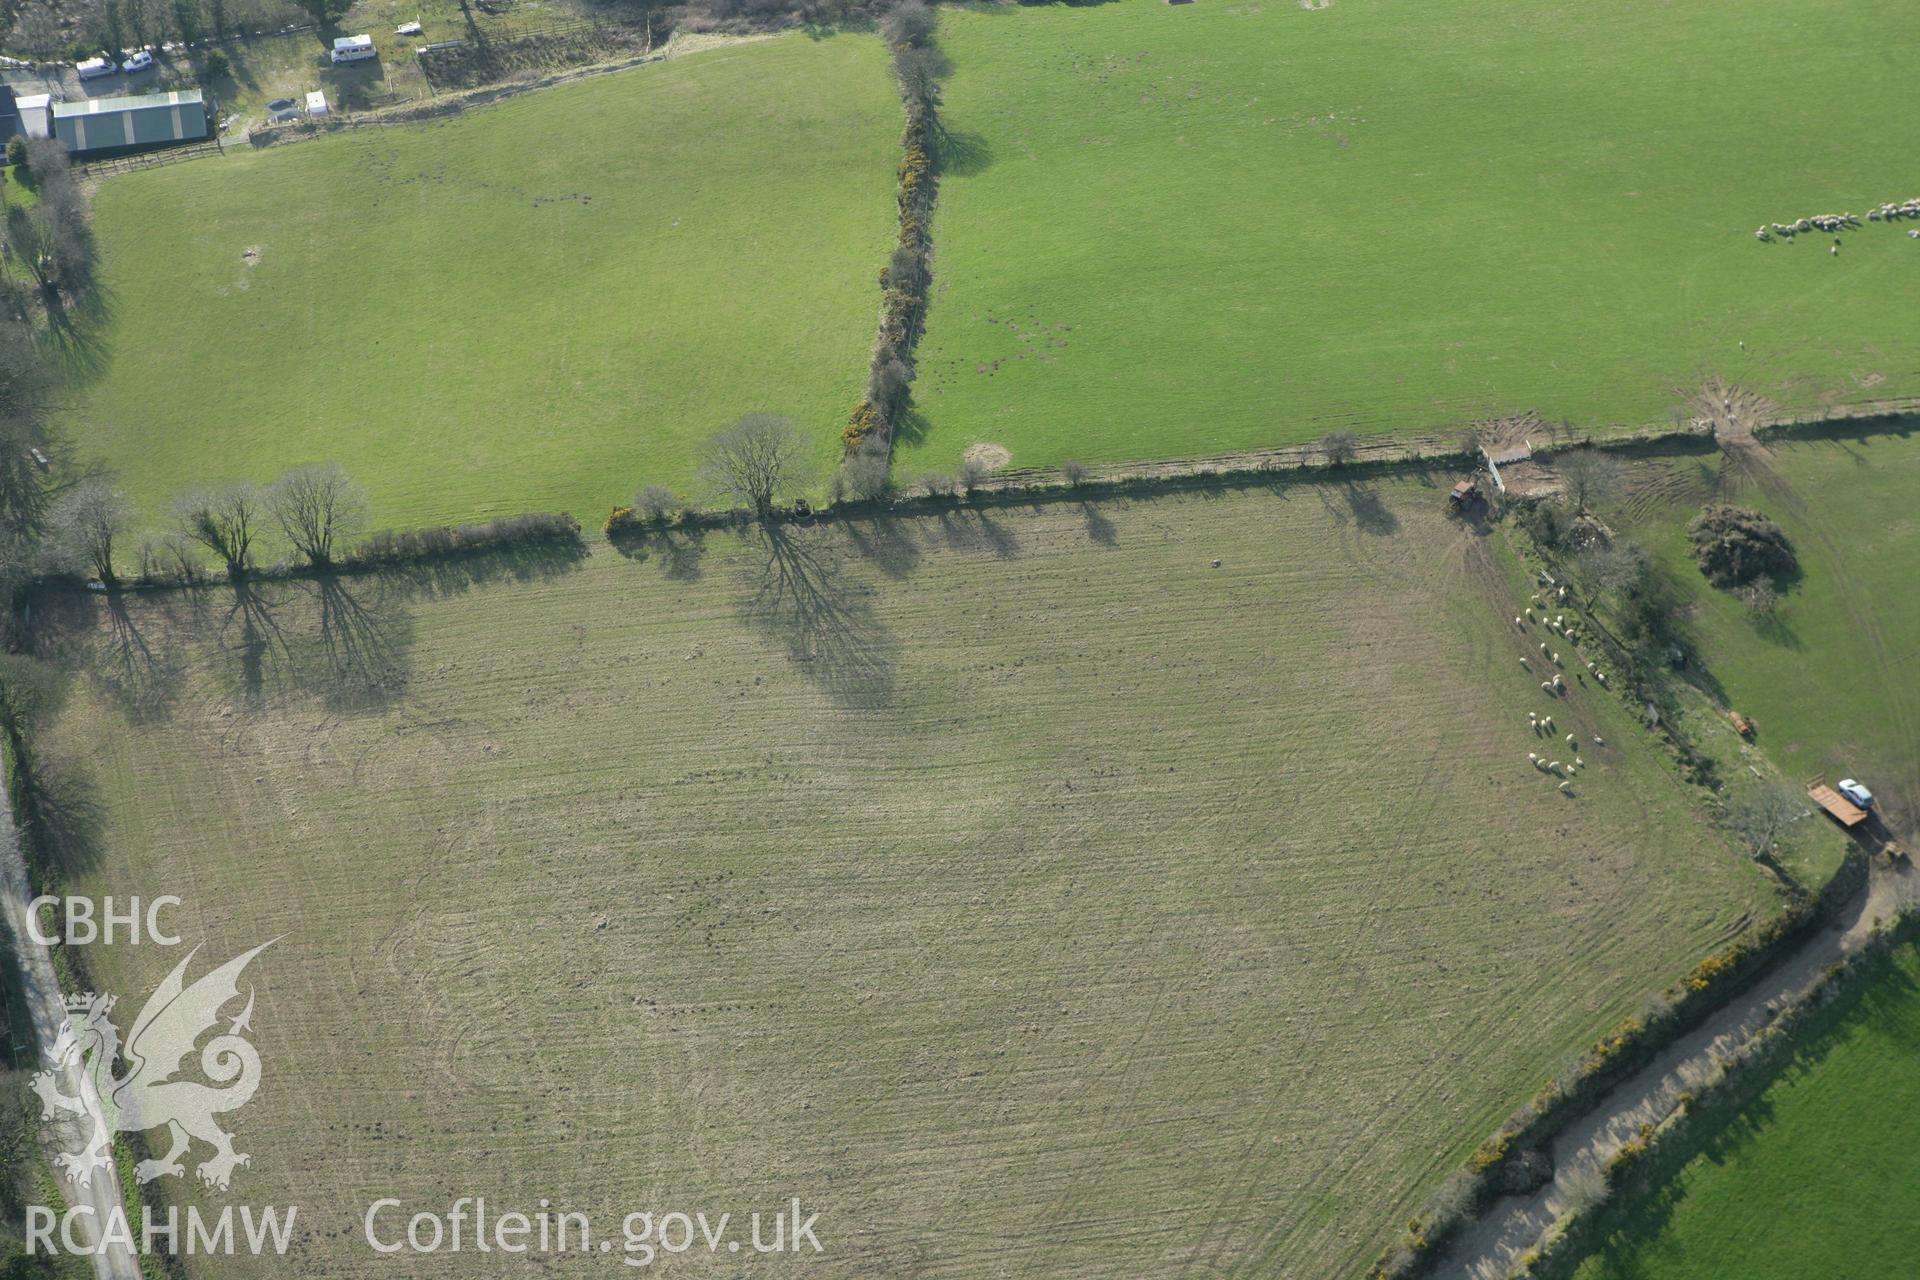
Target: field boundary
{"points": [[1657, 1153], [451, 104], [907, 280], [1515, 1147]]}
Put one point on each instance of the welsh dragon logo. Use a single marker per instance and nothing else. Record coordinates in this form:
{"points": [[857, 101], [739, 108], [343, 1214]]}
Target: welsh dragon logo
{"points": [[149, 1094]]}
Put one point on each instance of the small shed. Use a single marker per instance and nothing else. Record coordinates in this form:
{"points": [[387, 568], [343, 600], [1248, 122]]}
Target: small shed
{"points": [[132, 123], [36, 114], [316, 104]]}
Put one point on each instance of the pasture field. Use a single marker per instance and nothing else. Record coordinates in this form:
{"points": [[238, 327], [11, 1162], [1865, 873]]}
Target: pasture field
{"points": [[1831, 681], [1176, 230], [1830, 1152], [541, 304], [1017, 889]]}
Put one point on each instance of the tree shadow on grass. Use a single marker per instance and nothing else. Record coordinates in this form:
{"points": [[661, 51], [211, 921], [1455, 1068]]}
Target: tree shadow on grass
{"points": [[885, 540], [342, 640], [680, 551], [361, 638], [1370, 514], [61, 814], [825, 621], [456, 574], [1099, 528], [976, 530], [137, 667], [73, 338], [1364, 507], [959, 153]]}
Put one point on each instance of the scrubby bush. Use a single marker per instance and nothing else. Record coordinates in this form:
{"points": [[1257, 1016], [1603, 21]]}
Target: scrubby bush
{"points": [[908, 23], [17, 151], [1074, 473], [1340, 447], [620, 521], [655, 503], [1734, 546], [972, 472], [533, 529], [862, 477], [216, 66]]}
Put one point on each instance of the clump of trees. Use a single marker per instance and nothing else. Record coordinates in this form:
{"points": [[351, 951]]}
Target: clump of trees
{"points": [[52, 239], [1734, 547], [61, 29]]}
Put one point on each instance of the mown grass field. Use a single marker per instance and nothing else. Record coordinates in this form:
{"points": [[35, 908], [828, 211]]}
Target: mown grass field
{"points": [[1817, 1174], [1022, 892], [1833, 681], [540, 304], [1192, 229]]}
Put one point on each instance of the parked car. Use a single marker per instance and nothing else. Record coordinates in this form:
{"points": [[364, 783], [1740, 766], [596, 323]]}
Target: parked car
{"points": [[94, 68], [139, 60], [1853, 791]]}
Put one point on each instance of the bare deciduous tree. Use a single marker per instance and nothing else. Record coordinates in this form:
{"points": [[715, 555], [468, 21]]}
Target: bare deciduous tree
{"points": [[656, 502], [1760, 816], [862, 477], [921, 70], [316, 507], [1590, 478], [908, 23], [225, 520], [755, 461], [1340, 447], [86, 523]]}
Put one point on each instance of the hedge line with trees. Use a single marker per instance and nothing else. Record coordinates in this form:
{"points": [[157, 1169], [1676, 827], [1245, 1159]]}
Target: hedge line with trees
{"points": [[918, 66]]}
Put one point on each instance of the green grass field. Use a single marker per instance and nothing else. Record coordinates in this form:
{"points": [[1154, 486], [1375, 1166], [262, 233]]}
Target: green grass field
{"points": [[1017, 889], [1815, 1178], [541, 304], [1180, 230], [1833, 682]]}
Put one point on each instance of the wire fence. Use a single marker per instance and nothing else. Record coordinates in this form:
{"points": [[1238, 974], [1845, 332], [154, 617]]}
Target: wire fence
{"points": [[147, 159]]}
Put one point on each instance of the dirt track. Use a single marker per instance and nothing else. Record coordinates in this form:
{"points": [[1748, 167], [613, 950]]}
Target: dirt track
{"points": [[1514, 1224], [44, 1000]]}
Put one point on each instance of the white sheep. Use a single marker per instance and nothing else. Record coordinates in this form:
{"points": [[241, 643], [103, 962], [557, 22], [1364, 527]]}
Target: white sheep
{"points": [[1566, 788], [1569, 739], [1547, 685], [1578, 763], [1547, 721], [1599, 741], [1554, 767], [1601, 676], [1589, 664], [1556, 659], [1543, 647], [1517, 622]]}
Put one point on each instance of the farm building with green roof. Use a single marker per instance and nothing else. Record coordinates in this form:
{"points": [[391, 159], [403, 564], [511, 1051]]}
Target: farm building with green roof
{"points": [[123, 124]]}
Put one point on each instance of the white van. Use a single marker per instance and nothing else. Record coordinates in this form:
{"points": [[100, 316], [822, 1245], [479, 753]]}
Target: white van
{"points": [[94, 68], [354, 49]]}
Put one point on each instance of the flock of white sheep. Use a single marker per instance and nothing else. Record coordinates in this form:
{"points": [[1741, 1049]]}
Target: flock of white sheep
{"points": [[1556, 684], [1888, 212]]}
